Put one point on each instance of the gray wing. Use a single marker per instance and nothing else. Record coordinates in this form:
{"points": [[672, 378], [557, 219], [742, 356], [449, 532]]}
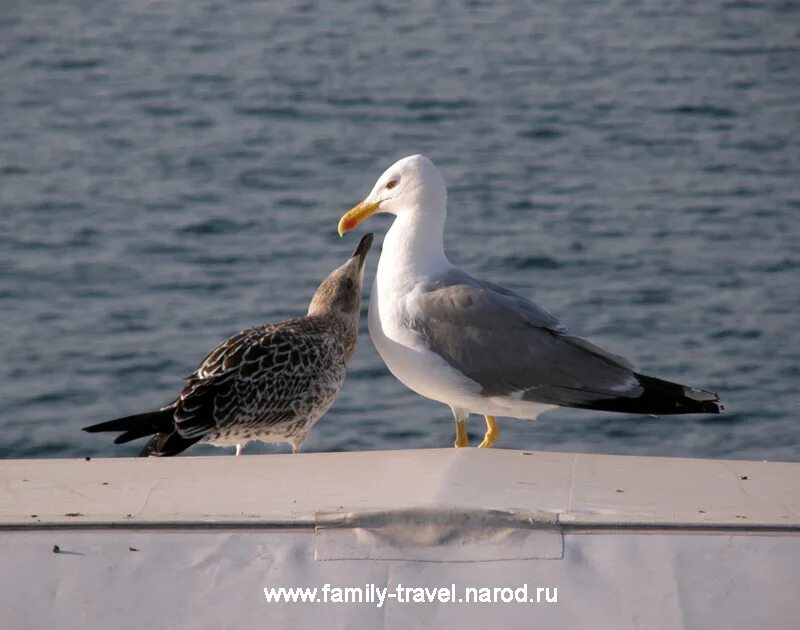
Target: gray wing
{"points": [[508, 345], [256, 377]]}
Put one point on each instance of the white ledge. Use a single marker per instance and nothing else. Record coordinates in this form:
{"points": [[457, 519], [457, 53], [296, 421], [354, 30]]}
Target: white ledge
{"points": [[570, 490]]}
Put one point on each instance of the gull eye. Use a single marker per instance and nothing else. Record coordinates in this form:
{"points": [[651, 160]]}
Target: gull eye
{"points": [[349, 283], [391, 184]]}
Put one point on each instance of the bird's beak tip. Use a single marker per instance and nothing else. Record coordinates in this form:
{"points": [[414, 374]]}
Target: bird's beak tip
{"points": [[363, 247], [356, 215], [345, 225]]}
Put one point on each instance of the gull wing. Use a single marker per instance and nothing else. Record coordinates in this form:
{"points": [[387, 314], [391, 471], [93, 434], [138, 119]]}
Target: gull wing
{"points": [[510, 346], [254, 377]]}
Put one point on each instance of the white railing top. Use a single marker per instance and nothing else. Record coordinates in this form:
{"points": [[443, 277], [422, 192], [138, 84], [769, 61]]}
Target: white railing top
{"points": [[573, 490]]}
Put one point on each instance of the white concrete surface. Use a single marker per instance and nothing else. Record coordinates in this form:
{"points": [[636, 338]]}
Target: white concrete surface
{"points": [[629, 542], [574, 489]]}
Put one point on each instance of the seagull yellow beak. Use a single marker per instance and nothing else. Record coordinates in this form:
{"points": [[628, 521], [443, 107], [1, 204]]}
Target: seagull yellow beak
{"points": [[353, 217]]}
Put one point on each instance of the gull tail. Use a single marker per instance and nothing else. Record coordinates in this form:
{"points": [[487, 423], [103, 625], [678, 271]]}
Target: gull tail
{"points": [[662, 398], [160, 424]]}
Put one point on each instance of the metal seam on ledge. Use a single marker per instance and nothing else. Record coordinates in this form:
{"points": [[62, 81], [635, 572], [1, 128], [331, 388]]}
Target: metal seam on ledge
{"points": [[566, 528]]}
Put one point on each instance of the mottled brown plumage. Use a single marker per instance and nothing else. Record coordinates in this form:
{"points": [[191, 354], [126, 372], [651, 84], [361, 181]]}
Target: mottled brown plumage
{"points": [[268, 383]]}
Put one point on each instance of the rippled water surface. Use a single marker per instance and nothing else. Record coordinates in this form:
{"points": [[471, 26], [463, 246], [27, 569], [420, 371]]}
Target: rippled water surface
{"points": [[172, 172]]}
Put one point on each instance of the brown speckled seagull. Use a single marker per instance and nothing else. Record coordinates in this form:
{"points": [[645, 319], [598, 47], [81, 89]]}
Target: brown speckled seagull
{"points": [[269, 383]]}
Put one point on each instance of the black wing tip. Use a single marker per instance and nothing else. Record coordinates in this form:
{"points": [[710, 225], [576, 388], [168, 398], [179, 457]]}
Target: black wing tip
{"points": [[708, 402], [682, 398], [714, 406], [659, 398]]}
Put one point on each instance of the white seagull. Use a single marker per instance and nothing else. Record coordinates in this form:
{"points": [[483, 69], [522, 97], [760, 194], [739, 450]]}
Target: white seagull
{"points": [[475, 346]]}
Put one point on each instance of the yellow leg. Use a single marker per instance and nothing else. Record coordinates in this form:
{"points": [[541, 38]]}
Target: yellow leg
{"points": [[492, 433], [462, 439]]}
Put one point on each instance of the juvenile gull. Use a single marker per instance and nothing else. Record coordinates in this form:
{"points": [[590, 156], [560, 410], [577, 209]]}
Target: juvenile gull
{"points": [[476, 346], [269, 383]]}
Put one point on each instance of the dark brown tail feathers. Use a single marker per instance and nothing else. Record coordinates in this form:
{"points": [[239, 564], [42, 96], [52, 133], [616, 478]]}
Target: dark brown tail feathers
{"points": [[160, 424]]}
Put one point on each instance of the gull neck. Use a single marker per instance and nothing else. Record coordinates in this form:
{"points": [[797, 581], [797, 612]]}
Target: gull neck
{"points": [[414, 247]]}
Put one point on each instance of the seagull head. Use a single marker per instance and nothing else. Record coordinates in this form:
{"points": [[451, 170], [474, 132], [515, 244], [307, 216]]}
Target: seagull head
{"points": [[340, 292], [410, 185]]}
